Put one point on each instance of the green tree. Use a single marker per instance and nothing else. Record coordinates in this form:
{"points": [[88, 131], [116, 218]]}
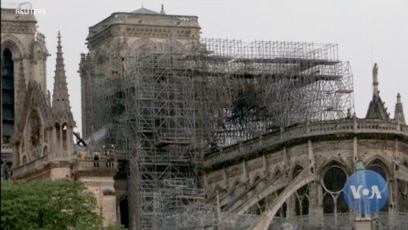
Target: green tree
{"points": [[46, 204]]}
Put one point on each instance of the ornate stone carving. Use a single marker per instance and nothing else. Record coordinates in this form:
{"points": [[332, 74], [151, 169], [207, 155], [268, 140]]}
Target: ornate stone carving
{"points": [[17, 28]]}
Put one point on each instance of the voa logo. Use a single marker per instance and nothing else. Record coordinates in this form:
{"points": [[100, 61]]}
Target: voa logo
{"points": [[365, 192], [359, 191]]}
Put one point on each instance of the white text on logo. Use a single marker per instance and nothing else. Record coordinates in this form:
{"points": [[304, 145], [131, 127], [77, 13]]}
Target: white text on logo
{"points": [[360, 190]]}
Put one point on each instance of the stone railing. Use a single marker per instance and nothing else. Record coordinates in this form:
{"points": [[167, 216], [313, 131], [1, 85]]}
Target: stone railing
{"points": [[5, 147], [31, 166], [154, 18], [146, 19], [322, 128], [85, 164], [88, 164]]}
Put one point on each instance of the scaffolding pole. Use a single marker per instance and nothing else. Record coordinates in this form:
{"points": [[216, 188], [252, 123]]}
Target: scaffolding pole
{"points": [[164, 107]]}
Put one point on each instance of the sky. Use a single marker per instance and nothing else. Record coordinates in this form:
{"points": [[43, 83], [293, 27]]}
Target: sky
{"points": [[366, 31]]}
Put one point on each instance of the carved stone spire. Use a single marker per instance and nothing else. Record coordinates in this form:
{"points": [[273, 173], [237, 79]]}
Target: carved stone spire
{"points": [[376, 93], [376, 109], [162, 10], [60, 99], [399, 112]]}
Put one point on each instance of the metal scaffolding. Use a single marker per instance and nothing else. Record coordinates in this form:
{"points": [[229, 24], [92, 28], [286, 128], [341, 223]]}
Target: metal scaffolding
{"points": [[164, 107]]}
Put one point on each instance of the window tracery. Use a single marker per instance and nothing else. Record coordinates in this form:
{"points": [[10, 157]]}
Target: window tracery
{"points": [[333, 180]]}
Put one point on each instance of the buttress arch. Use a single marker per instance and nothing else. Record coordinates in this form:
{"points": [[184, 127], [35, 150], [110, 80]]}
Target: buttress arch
{"points": [[266, 219]]}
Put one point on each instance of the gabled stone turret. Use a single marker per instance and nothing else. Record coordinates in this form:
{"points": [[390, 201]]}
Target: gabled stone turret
{"points": [[376, 109], [399, 112]]}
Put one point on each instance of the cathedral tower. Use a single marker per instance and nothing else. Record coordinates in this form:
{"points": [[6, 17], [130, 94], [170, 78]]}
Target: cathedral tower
{"points": [[36, 136], [23, 59]]}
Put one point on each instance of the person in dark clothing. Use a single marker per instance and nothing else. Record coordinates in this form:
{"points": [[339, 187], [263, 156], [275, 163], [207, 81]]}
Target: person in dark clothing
{"points": [[96, 159]]}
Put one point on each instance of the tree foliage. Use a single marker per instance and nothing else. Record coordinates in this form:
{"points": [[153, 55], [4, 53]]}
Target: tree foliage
{"points": [[46, 204]]}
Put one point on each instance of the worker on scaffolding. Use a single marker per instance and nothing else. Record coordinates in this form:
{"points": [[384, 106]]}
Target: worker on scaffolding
{"points": [[96, 159], [109, 156]]}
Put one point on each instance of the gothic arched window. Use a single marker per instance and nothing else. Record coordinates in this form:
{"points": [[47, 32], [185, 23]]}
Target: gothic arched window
{"points": [[7, 92], [333, 179]]}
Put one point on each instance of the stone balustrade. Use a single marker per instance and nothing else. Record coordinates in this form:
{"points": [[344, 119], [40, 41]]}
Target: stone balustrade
{"points": [[155, 18], [144, 19], [306, 130], [88, 163], [31, 166], [5, 147]]}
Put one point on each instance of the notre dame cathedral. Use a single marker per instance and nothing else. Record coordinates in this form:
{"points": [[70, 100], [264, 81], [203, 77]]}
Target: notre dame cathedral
{"points": [[164, 97]]}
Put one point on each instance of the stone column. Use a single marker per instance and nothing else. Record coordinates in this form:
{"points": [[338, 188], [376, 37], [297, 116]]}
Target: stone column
{"points": [[15, 158], [54, 142], [392, 200], [291, 206], [60, 147], [108, 205], [244, 171], [69, 141], [315, 205]]}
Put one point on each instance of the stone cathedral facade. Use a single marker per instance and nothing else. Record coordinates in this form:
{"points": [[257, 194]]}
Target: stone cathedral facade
{"points": [[287, 175], [37, 128], [23, 70]]}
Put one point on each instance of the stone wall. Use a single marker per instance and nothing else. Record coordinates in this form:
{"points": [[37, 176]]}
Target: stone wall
{"points": [[104, 191], [311, 156]]}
